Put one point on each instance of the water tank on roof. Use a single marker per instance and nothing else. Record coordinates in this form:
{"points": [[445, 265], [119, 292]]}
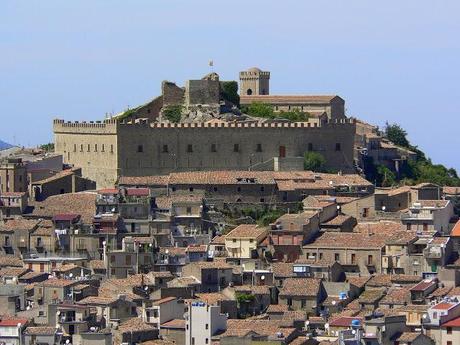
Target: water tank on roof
{"points": [[355, 323], [343, 295]]}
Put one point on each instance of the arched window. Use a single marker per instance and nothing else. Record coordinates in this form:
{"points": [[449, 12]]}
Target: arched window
{"points": [[249, 92]]}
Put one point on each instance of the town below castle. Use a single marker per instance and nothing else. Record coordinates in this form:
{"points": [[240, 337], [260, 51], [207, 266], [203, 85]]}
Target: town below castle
{"points": [[219, 213]]}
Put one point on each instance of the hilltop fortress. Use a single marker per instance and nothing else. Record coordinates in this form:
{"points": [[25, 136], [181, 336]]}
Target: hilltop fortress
{"points": [[212, 133]]}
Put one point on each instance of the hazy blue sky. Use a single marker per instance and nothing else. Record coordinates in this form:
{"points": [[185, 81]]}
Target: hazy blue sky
{"points": [[395, 61]]}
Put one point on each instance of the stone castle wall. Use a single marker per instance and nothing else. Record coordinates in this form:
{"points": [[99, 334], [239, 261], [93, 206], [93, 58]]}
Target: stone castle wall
{"points": [[149, 149], [91, 146]]}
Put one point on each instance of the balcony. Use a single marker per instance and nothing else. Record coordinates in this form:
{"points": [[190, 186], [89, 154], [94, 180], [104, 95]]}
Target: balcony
{"points": [[433, 253]]}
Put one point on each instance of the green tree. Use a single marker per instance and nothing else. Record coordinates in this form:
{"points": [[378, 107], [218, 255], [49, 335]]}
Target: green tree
{"points": [[396, 134], [385, 177], [230, 92], [314, 161], [259, 109], [173, 113], [47, 147]]}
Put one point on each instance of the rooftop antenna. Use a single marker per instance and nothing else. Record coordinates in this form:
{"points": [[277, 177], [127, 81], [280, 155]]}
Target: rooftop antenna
{"points": [[211, 64]]}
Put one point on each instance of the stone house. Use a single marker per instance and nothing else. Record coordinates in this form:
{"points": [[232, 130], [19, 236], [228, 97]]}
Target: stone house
{"points": [[41, 335], [290, 231], [422, 290], [414, 338], [383, 328], [113, 309], [393, 199], [214, 276], [15, 235], [134, 331], [242, 242], [12, 329], [402, 255], [171, 259], [54, 290], [12, 204], [426, 191], [429, 216], [163, 310], [356, 252], [302, 294], [43, 239], [261, 297]]}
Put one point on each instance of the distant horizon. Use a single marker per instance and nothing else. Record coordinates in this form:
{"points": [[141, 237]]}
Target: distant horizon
{"points": [[393, 62]]}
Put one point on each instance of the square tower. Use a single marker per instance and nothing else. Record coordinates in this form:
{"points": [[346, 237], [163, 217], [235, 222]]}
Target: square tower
{"points": [[254, 82]]}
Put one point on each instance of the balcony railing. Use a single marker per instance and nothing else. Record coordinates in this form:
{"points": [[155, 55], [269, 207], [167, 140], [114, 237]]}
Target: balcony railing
{"points": [[432, 253]]}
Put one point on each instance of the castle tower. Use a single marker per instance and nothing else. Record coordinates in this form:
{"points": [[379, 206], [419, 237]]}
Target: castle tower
{"points": [[254, 82]]}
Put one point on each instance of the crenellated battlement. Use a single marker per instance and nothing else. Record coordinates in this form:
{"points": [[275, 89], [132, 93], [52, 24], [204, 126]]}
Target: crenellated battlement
{"points": [[105, 126], [336, 122]]}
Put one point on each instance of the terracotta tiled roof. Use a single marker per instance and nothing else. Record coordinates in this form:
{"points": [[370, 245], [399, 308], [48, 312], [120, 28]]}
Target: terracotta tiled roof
{"points": [[397, 296], [173, 251], [211, 264], [13, 272], [254, 289], [9, 260], [402, 238], [300, 287], [454, 292], [287, 99], [221, 177], [135, 324], [164, 300], [277, 308], [175, 323], [456, 230], [57, 282], [183, 282], [441, 291], [18, 224], [246, 231], [452, 323], [283, 270], [371, 296], [97, 264], [350, 240], [239, 328], [218, 240], [379, 228], [344, 321], [211, 297], [83, 203], [197, 248], [144, 180], [423, 285], [40, 330], [358, 281], [338, 220], [98, 300]]}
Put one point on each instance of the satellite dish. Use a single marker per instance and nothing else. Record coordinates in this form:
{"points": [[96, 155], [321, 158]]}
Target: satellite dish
{"points": [[70, 275], [67, 341], [146, 288], [262, 277], [353, 331], [334, 302], [384, 208]]}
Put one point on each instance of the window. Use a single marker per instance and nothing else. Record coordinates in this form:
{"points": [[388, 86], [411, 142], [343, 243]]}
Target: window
{"points": [[449, 342], [337, 147], [236, 148], [251, 240], [337, 257], [320, 256], [353, 259], [206, 341], [103, 148], [189, 211], [81, 148], [206, 326], [370, 260], [128, 259], [112, 258], [140, 148], [234, 240], [238, 189], [215, 189], [165, 149], [89, 148], [190, 189], [189, 148], [449, 330], [95, 147], [213, 148], [425, 227], [111, 148], [262, 189], [310, 147], [74, 147], [289, 301], [408, 226], [303, 303], [262, 200], [259, 148]]}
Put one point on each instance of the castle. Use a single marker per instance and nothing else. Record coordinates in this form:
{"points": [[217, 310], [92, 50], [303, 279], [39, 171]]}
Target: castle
{"points": [[141, 142]]}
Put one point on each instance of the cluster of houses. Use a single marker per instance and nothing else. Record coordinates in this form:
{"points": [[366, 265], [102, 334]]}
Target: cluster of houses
{"points": [[178, 259]]}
